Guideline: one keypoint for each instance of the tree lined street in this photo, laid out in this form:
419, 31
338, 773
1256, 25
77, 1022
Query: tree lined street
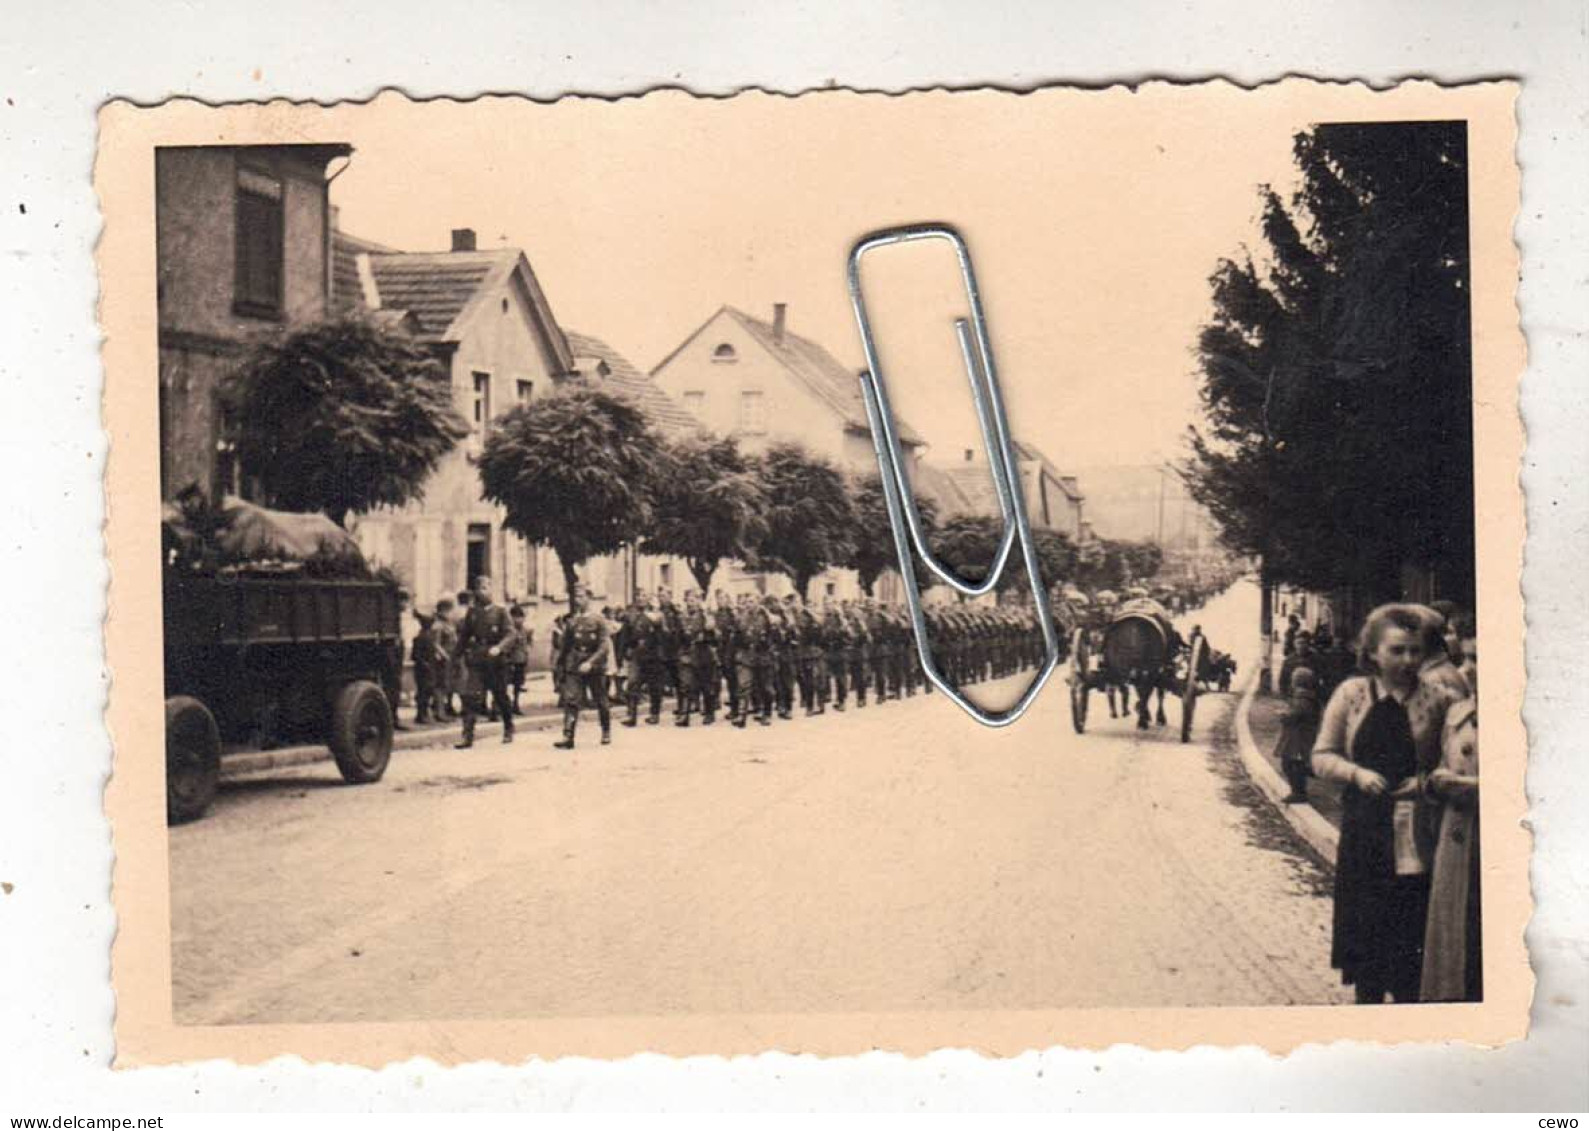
900, 857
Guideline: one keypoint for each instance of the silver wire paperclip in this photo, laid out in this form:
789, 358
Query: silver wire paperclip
900, 497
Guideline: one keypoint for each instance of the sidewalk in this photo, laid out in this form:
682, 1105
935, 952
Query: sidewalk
1257, 725
538, 703
1264, 718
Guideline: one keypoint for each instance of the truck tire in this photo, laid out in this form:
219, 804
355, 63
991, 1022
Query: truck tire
361, 732
193, 759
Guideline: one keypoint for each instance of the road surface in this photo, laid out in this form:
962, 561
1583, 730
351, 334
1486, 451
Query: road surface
897, 858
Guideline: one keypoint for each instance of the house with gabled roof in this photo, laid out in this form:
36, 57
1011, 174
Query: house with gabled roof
759, 381
488, 319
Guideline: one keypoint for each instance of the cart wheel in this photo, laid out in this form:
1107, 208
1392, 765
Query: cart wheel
361, 732
193, 759
1078, 681
1194, 663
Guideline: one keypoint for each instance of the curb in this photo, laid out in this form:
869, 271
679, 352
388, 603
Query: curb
1307, 821
250, 762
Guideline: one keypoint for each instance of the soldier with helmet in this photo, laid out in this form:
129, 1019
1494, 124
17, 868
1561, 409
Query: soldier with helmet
642, 646
484, 638
810, 651
836, 636
672, 643
754, 660
698, 680
583, 662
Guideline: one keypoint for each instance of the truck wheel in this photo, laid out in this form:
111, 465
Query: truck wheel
193, 759
361, 732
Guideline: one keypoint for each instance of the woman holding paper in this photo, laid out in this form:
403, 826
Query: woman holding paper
1380, 737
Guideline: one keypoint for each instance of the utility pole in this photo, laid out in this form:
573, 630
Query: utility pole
1159, 538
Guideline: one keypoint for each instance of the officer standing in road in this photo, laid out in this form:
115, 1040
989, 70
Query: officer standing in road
484, 639
585, 649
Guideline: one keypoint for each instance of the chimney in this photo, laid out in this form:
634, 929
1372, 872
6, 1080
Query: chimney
463, 239
780, 316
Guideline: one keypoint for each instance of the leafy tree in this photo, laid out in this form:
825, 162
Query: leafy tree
341, 417
1057, 557
810, 520
874, 539
967, 544
573, 471
1142, 560
1114, 564
1337, 374
708, 505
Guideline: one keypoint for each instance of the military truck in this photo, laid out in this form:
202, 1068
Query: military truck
275, 631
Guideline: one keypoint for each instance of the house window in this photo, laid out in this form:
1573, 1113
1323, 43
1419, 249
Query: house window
257, 286
482, 404
752, 412
665, 576
526, 390
724, 353
695, 400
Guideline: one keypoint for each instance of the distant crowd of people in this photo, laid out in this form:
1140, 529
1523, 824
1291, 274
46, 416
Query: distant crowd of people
1399, 732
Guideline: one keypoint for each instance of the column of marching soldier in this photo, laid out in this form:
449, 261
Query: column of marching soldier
759, 656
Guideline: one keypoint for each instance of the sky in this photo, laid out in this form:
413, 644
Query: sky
1094, 220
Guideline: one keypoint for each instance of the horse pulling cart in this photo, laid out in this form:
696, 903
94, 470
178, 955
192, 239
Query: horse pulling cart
1139, 649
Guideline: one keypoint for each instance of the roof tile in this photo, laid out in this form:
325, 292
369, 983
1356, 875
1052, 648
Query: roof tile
625, 380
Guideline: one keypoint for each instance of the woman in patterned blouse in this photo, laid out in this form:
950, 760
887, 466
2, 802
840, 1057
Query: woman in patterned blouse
1380, 737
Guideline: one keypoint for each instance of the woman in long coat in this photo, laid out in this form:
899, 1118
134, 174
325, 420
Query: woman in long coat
1453, 963
1380, 737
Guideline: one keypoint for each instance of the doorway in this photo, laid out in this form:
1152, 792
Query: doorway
479, 552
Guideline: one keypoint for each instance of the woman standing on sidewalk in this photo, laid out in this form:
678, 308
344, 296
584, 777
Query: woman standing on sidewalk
1380, 736
1453, 965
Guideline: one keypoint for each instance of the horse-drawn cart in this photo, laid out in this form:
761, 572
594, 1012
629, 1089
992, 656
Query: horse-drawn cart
1140, 649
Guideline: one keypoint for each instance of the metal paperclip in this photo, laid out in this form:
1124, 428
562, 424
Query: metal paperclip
900, 498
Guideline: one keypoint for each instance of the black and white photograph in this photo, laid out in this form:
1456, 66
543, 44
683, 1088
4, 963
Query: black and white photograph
653, 560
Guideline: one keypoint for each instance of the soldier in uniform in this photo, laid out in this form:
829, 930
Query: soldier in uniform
484, 640
899, 643
728, 649
882, 650
672, 644
859, 653
836, 636
782, 668
698, 662
806, 646
754, 658
643, 629
584, 665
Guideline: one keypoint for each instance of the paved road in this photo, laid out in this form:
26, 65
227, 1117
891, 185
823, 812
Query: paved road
897, 858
